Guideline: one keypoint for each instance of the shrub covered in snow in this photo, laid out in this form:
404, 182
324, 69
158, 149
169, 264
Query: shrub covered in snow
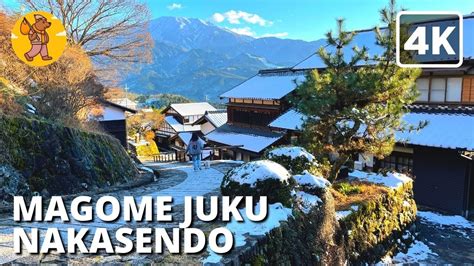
295, 159
311, 183
259, 178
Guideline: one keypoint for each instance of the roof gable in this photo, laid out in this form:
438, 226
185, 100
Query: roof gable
188, 109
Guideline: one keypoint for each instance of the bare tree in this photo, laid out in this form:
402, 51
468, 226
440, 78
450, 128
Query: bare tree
110, 31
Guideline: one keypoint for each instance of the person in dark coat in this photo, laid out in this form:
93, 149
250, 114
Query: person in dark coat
194, 149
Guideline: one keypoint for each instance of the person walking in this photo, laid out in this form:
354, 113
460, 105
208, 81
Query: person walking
194, 149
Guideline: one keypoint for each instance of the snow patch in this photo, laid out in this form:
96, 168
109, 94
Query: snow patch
417, 252
445, 220
293, 152
276, 213
391, 180
307, 201
307, 179
252, 172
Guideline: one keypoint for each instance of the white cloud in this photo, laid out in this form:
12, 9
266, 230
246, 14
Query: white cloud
235, 17
278, 35
174, 6
218, 17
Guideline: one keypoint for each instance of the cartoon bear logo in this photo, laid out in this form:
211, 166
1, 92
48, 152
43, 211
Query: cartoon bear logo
38, 38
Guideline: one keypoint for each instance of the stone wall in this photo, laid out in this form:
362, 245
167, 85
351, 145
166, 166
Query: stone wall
364, 236
56, 160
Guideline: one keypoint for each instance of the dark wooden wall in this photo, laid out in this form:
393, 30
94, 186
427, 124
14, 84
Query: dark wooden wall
440, 179
116, 128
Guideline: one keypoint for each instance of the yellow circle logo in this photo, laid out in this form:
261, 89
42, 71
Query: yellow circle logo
38, 38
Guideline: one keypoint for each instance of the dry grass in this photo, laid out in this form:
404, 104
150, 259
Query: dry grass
368, 191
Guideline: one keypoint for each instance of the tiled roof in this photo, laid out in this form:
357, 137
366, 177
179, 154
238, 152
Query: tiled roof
186, 109
178, 127
249, 139
441, 108
217, 117
266, 86
444, 130
291, 120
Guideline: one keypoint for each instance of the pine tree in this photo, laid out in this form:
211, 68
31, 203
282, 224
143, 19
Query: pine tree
356, 104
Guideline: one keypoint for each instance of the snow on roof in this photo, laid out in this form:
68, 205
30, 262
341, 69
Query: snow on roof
186, 137
125, 102
438, 133
251, 140
186, 109
307, 179
391, 180
250, 173
178, 127
453, 131
217, 118
291, 151
266, 86
368, 39
292, 120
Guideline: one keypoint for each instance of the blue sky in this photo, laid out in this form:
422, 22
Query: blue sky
297, 19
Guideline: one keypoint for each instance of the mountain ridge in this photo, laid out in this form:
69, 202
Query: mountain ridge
200, 60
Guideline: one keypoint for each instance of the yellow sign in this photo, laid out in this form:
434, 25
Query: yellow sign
38, 38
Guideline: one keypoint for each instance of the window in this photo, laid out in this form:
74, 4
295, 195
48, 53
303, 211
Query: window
398, 161
250, 117
423, 86
439, 89
453, 90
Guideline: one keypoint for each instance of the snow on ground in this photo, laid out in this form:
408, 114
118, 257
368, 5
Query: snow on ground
276, 213
307, 201
292, 151
197, 183
307, 179
445, 220
252, 172
391, 180
343, 214
417, 252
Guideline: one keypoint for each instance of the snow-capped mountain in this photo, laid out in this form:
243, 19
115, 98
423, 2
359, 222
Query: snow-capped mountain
196, 58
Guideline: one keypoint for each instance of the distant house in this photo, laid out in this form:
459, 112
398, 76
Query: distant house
180, 118
440, 156
211, 120
125, 102
112, 118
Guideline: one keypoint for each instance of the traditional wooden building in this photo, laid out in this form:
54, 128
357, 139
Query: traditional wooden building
179, 119
212, 120
112, 117
439, 157
251, 106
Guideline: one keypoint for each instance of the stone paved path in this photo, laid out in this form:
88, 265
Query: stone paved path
453, 245
176, 179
